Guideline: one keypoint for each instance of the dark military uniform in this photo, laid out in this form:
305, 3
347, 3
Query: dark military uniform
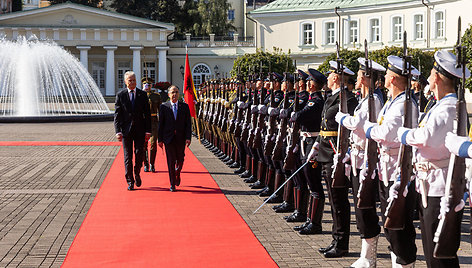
340, 207
154, 103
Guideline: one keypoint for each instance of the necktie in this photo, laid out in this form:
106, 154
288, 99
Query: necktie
132, 98
175, 110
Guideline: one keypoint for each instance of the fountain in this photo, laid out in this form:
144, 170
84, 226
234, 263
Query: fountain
42, 82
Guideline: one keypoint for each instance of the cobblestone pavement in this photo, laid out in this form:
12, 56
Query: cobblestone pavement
46, 191
287, 247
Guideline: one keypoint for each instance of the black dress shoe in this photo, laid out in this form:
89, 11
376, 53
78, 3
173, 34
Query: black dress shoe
146, 169
276, 199
251, 179
239, 171
245, 174
234, 165
311, 229
262, 190
172, 188
130, 186
138, 180
296, 217
323, 250
335, 252
299, 227
285, 207
153, 169
257, 185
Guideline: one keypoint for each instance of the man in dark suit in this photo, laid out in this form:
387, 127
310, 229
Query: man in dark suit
175, 132
132, 125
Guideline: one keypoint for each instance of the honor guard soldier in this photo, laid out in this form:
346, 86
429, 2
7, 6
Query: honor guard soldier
309, 119
324, 150
384, 132
432, 156
154, 103
418, 85
366, 218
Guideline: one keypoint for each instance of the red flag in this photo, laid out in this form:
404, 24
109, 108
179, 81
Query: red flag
189, 89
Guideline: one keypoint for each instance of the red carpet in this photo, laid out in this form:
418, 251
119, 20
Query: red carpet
153, 227
59, 143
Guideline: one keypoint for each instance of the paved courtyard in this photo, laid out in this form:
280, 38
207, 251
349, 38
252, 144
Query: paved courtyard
46, 191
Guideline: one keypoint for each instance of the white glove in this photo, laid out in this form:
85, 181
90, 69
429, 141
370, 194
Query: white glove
313, 152
292, 114
393, 191
445, 207
368, 124
454, 142
240, 104
340, 116
259, 107
269, 111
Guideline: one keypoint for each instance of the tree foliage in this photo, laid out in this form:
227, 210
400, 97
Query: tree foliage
467, 42
92, 3
277, 61
214, 18
138, 8
423, 60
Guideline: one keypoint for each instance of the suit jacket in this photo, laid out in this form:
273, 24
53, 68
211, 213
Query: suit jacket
127, 118
170, 128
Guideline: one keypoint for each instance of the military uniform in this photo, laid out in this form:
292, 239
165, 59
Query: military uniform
390, 119
432, 160
154, 104
340, 207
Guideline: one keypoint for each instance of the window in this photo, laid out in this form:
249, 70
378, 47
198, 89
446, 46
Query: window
330, 33
201, 72
374, 30
231, 14
307, 34
149, 70
397, 28
419, 27
439, 24
353, 32
98, 75
123, 67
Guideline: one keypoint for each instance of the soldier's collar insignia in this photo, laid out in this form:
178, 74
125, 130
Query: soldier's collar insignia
277, 99
290, 101
311, 103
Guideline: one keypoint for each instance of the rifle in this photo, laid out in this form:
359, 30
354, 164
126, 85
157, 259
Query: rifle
367, 191
278, 153
396, 209
239, 116
448, 233
294, 138
254, 113
260, 121
339, 177
247, 119
234, 120
270, 138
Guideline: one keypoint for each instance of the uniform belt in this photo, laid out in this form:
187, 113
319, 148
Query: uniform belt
307, 134
153, 114
425, 166
390, 151
328, 133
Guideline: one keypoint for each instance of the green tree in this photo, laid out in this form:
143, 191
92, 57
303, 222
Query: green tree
187, 18
423, 60
138, 8
92, 3
467, 42
16, 5
165, 10
277, 61
214, 18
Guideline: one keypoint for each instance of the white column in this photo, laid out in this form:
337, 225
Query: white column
84, 55
137, 63
162, 63
110, 71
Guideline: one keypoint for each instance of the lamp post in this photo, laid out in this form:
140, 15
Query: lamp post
216, 71
182, 70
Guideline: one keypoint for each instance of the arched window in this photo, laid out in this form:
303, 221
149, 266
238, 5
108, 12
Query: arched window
201, 73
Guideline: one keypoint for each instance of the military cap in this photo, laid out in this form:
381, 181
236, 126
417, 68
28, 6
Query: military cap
420, 79
445, 63
316, 76
374, 65
303, 76
395, 64
288, 77
147, 80
334, 66
277, 77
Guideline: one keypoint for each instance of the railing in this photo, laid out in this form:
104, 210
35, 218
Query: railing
213, 41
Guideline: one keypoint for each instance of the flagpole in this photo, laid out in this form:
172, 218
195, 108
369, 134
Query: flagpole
195, 118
